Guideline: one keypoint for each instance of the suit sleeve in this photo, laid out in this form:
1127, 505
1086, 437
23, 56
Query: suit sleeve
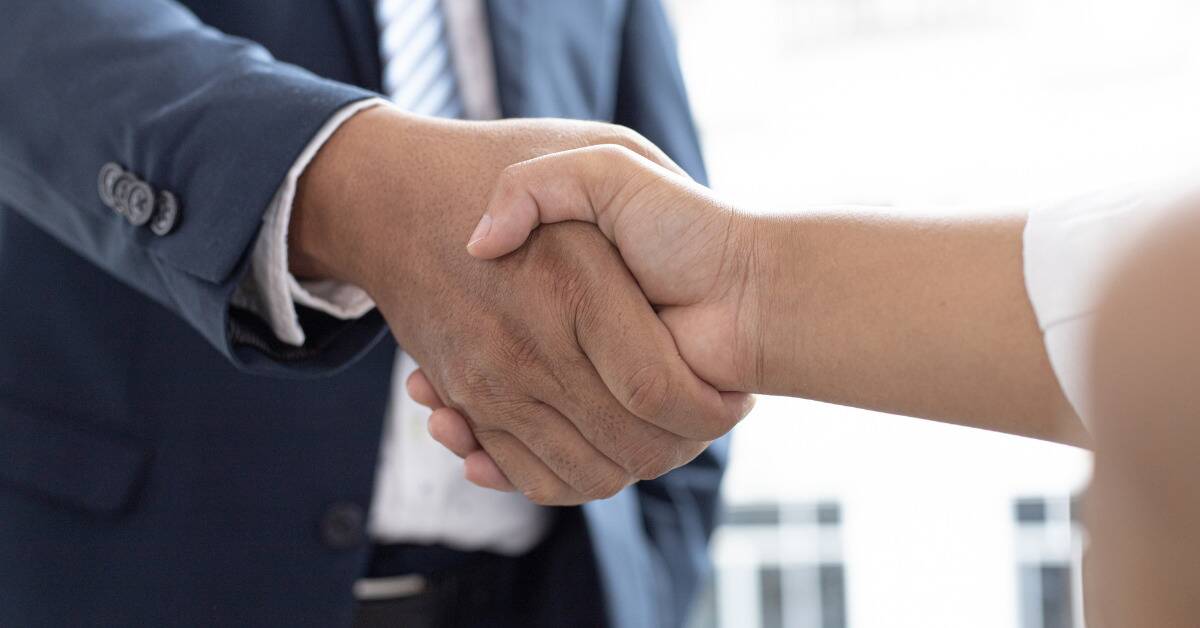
680, 508
212, 119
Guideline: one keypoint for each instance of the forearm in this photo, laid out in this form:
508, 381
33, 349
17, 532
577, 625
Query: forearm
189, 102
922, 316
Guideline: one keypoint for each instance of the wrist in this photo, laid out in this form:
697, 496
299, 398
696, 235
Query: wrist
355, 196
747, 294
317, 235
769, 301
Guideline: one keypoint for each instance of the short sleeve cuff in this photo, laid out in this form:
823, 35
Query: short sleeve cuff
1071, 249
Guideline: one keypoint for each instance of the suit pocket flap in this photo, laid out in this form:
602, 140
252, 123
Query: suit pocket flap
68, 462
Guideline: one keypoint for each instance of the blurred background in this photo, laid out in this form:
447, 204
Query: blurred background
846, 518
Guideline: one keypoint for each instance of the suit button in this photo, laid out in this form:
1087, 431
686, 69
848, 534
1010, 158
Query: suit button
121, 189
343, 526
166, 214
109, 173
139, 205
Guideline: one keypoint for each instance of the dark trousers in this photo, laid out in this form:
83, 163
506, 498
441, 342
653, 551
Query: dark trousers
485, 590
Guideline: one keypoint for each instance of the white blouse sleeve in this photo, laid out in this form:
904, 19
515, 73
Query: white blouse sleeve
1071, 249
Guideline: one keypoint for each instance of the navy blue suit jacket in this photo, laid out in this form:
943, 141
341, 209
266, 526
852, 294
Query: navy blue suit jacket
164, 461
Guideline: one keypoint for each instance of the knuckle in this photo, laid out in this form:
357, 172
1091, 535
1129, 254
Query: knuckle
632, 144
626, 137
647, 458
473, 385
544, 493
620, 154
490, 402
537, 493
521, 349
605, 485
650, 392
653, 468
515, 419
571, 284
656, 462
667, 455
689, 450
514, 357
615, 151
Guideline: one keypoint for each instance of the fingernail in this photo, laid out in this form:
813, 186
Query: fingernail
481, 229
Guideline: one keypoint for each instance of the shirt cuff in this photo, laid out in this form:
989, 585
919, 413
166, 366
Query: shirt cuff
1071, 249
269, 289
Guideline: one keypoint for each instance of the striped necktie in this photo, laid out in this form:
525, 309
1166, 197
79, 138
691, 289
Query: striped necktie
418, 72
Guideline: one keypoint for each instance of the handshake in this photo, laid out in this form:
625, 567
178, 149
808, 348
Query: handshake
570, 360
688, 254
566, 370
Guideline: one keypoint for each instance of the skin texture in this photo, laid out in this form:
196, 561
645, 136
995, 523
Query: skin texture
924, 316
567, 374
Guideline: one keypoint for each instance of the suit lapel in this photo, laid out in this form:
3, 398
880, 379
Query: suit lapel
362, 40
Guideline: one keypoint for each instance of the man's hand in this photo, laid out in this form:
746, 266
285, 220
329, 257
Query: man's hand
689, 253
554, 353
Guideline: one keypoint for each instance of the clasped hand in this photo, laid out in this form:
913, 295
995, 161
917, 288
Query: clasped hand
573, 385
690, 254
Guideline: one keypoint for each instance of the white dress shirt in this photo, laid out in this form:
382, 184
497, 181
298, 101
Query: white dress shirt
420, 493
1072, 249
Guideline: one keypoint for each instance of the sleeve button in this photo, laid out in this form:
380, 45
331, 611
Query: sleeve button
109, 173
166, 214
121, 190
139, 204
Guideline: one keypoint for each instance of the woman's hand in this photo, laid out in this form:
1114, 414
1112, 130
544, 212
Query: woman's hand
691, 254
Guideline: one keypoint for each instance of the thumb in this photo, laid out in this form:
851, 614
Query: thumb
582, 184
